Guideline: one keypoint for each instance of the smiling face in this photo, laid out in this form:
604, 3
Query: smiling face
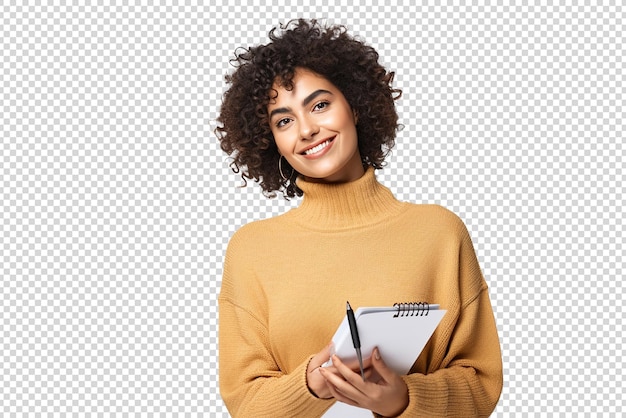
315, 129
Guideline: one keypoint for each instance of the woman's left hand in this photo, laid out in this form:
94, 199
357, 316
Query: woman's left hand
388, 396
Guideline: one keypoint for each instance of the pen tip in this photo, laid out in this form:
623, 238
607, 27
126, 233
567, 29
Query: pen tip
348, 305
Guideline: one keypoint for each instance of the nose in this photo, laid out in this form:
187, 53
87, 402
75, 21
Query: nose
308, 128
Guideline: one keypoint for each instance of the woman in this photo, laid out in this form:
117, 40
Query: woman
312, 113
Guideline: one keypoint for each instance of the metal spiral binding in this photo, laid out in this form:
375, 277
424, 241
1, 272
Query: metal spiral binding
411, 309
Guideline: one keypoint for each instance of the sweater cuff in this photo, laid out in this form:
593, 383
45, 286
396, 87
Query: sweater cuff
412, 405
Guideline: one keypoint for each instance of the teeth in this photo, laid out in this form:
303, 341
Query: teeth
317, 148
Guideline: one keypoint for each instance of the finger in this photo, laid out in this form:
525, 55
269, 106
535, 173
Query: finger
372, 375
343, 386
350, 375
381, 367
368, 372
320, 358
339, 395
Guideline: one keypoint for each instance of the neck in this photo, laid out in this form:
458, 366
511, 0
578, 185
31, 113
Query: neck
345, 205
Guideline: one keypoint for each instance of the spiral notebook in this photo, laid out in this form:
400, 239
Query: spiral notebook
400, 332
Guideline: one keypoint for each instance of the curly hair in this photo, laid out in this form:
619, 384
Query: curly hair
348, 63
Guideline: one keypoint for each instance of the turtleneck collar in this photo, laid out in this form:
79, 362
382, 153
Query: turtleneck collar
345, 205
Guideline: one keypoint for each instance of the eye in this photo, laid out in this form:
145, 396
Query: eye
321, 105
282, 122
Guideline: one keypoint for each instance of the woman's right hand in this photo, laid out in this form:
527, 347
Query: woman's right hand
317, 383
314, 379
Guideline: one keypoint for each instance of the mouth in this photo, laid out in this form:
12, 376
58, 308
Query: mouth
318, 148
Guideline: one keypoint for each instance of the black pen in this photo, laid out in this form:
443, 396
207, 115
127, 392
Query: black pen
355, 336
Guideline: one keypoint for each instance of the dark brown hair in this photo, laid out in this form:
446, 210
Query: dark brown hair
348, 63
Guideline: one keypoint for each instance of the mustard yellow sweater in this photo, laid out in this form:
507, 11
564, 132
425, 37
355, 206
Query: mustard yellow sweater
286, 281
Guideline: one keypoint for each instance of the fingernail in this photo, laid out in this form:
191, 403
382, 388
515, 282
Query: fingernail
377, 354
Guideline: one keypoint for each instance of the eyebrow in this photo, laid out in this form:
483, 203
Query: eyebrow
308, 99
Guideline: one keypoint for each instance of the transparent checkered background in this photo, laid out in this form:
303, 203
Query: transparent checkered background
117, 204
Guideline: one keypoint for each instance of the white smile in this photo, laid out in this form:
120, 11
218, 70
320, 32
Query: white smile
318, 147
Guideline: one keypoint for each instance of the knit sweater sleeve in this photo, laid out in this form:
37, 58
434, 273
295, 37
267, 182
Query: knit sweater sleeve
251, 382
468, 381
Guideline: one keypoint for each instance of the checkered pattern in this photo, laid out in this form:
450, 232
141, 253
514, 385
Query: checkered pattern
116, 203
